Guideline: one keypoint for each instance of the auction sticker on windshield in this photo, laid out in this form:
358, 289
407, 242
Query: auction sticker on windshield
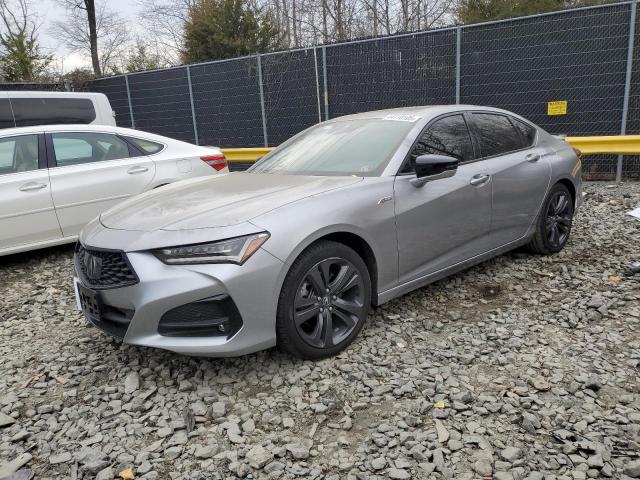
402, 118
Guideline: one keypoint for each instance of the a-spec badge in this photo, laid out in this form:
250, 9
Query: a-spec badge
384, 200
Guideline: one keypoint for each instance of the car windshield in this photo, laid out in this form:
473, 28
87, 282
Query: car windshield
359, 147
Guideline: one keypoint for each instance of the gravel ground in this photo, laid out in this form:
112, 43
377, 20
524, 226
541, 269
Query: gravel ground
523, 367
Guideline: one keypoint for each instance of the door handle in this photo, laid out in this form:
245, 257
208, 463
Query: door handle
28, 187
532, 157
137, 169
479, 179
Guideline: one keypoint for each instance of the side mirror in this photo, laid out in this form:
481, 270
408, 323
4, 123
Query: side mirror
434, 167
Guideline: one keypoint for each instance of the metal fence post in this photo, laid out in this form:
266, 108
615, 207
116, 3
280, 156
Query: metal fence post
627, 84
264, 116
193, 110
324, 75
126, 82
315, 62
458, 44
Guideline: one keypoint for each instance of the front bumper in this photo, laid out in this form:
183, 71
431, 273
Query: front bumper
252, 287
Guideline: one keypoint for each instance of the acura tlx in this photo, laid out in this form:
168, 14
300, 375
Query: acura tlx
346, 215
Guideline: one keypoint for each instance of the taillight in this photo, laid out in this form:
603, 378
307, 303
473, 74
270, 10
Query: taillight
577, 152
217, 162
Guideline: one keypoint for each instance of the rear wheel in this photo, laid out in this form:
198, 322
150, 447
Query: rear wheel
324, 301
554, 223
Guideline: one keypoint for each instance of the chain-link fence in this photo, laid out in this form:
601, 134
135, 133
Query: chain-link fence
587, 57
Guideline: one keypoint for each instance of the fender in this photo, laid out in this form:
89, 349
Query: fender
322, 233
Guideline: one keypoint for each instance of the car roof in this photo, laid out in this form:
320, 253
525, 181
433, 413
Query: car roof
71, 127
425, 111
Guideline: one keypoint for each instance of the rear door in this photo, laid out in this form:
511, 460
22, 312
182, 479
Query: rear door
27, 214
445, 221
92, 172
520, 171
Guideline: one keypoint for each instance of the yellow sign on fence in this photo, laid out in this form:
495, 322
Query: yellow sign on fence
557, 108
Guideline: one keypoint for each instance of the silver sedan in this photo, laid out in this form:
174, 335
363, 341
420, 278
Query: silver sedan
346, 215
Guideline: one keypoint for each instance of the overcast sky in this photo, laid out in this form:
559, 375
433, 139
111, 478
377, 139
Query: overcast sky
49, 11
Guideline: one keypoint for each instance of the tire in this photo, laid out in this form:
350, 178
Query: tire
305, 313
554, 222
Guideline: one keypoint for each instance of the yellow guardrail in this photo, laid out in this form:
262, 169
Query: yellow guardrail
244, 155
614, 144
620, 144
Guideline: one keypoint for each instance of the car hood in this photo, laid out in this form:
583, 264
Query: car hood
216, 201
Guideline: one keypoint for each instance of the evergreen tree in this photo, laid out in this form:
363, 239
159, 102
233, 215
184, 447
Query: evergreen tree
21, 58
217, 29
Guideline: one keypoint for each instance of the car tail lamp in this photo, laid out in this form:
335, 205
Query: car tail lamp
577, 152
217, 162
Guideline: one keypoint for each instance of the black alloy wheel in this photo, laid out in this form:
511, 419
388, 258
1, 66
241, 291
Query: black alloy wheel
554, 222
558, 221
329, 302
324, 301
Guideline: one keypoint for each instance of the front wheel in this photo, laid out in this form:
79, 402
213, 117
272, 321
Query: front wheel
553, 226
324, 301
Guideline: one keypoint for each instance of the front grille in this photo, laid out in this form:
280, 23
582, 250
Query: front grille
102, 269
212, 317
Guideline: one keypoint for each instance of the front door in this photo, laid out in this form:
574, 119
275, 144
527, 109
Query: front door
445, 221
92, 172
27, 215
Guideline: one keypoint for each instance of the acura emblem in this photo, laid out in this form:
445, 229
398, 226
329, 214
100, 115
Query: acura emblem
93, 266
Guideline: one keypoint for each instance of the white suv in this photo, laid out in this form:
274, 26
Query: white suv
25, 109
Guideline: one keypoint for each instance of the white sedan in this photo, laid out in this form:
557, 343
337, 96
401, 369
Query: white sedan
55, 179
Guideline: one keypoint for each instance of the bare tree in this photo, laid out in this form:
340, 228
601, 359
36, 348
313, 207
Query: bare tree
142, 54
308, 22
93, 29
166, 18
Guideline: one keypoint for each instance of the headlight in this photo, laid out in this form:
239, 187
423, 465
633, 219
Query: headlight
233, 250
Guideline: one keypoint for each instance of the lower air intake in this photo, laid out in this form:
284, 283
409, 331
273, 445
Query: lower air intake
212, 317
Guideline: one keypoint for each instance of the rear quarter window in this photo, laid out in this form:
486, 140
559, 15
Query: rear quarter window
527, 132
52, 111
146, 146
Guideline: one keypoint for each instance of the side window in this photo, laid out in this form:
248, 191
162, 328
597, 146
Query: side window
85, 147
496, 134
18, 154
147, 146
447, 136
6, 116
52, 111
527, 132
